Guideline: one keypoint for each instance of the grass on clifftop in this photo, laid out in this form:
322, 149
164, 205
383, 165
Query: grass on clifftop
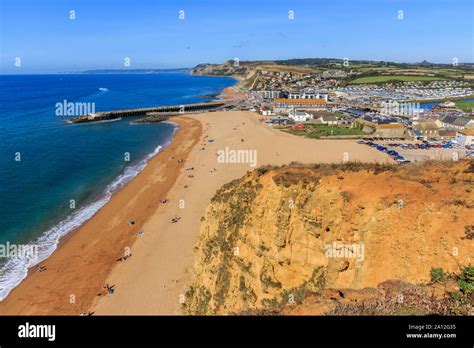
465, 106
316, 131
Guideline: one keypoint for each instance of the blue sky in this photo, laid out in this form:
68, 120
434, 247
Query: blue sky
150, 33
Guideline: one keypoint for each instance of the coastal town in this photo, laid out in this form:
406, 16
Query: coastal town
411, 118
417, 117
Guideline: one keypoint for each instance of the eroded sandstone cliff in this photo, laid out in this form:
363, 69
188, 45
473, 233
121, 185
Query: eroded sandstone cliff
282, 239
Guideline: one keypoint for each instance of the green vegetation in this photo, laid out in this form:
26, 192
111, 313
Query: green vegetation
437, 275
201, 298
316, 131
465, 106
442, 99
388, 78
463, 297
466, 281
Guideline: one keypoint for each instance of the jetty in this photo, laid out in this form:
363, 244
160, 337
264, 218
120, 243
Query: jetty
156, 114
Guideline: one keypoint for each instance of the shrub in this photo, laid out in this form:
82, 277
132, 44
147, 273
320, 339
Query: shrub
437, 275
466, 281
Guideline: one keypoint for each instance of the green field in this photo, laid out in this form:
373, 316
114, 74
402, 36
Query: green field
380, 79
316, 131
465, 106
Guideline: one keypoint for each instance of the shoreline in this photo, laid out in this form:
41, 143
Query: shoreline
80, 216
161, 267
75, 220
72, 250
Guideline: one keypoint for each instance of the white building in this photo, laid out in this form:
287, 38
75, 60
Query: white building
299, 116
465, 137
268, 113
271, 94
307, 94
328, 119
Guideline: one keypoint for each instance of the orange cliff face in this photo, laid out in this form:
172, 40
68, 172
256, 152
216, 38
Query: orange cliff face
278, 234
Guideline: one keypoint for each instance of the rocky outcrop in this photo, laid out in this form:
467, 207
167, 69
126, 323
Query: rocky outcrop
229, 68
279, 237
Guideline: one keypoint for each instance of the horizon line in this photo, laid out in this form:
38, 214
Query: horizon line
83, 71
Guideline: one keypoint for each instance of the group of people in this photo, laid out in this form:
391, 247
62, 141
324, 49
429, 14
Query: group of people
125, 257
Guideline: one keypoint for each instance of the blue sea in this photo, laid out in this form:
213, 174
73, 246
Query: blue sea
55, 175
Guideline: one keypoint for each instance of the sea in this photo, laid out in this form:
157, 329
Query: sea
55, 175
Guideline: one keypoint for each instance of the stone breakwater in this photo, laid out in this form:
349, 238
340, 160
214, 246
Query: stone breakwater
152, 114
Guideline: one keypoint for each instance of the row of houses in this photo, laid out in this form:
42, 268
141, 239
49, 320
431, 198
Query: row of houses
285, 105
463, 137
308, 95
449, 128
445, 127
305, 93
455, 122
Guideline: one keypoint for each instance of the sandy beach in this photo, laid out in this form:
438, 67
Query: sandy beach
77, 270
154, 279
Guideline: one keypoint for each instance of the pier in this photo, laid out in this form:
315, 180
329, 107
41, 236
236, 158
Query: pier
155, 114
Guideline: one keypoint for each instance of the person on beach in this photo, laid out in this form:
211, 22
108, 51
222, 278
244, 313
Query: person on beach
109, 288
40, 268
164, 200
125, 257
175, 219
